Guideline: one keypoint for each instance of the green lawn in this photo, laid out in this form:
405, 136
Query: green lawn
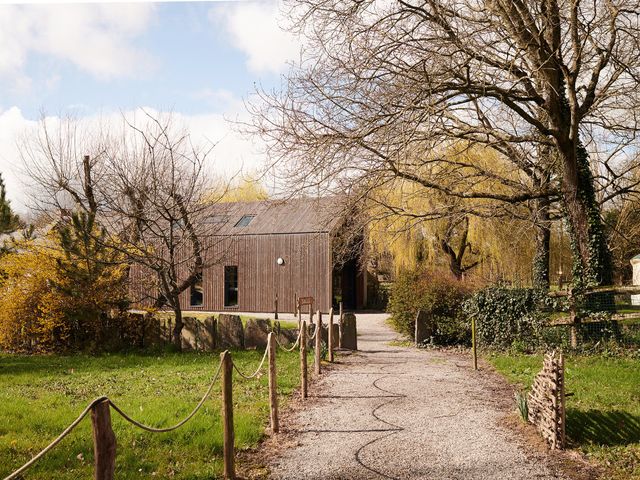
41, 395
603, 414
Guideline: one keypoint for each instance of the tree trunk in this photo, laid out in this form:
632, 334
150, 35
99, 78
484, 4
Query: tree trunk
543, 242
177, 326
592, 258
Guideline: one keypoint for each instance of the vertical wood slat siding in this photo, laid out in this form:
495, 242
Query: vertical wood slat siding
306, 272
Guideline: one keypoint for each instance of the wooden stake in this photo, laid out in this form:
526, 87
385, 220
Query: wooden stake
227, 416
318, 342
273, 384
276, 308
104, 442
340, 315
473, 343
330, 338
303, 359
563, 413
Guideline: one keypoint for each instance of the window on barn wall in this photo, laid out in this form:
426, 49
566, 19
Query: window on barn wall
230, 286
197, 292
244, 221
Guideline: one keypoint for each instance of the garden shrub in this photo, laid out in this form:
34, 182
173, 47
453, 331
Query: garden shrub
509, 317
438, 294
48, 302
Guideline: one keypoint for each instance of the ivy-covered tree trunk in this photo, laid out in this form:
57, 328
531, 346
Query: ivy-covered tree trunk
592, 264
591, 256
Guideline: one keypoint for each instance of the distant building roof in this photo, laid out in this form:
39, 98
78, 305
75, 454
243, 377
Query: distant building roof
299, 215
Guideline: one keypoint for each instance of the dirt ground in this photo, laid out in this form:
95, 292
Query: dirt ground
396, 412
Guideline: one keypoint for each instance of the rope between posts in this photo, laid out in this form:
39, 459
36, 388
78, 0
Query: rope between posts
177, 425
294, 345
315, 331
98, 400
66, 432
253, 375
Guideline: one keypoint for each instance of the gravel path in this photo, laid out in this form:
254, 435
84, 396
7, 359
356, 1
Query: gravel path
401, 413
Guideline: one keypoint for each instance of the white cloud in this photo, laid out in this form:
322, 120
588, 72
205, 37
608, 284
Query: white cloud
232, 153
12, 126
97, 38
255, 29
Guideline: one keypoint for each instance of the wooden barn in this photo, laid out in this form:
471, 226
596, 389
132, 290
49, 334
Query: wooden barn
268, 249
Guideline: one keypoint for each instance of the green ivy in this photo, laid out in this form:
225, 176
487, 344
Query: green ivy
508, 316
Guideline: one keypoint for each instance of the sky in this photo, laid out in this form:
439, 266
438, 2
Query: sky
200, 60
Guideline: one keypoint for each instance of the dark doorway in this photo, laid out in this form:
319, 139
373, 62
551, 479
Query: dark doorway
345, 285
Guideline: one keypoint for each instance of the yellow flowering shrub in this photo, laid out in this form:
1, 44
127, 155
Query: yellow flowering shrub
31, 314
52, 301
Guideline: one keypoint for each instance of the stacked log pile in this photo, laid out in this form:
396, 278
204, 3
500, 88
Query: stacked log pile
546, 401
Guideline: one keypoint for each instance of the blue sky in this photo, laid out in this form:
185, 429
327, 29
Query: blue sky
198, 59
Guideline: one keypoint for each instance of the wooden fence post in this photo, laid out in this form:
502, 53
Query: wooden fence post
276, 308
227, 415
299, 315
474, 343
318, 342
273, 384
340, 314
303, 359
104, 442
575, 319
330, 338
563, 413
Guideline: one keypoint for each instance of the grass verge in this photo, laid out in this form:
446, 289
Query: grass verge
603, 414
41, 395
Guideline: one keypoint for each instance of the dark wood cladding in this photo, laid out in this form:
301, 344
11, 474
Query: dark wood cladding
306, 272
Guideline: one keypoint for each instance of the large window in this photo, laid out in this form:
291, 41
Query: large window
197, 295
230, 286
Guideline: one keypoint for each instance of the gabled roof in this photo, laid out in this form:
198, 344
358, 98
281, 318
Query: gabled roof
299, 215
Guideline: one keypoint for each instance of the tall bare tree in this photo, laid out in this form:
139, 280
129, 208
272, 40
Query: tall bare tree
542, 82
146, 185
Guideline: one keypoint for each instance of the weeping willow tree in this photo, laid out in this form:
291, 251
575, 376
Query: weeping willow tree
487, 250
483, 239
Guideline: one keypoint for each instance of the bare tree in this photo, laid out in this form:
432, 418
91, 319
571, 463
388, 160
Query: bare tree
543, 83
146, 185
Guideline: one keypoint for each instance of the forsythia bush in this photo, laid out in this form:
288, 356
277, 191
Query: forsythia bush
30, 312
52, 299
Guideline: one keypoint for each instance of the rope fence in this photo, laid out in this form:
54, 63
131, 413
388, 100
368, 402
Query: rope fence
104, 439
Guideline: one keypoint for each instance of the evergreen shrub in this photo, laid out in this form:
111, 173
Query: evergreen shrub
438, 294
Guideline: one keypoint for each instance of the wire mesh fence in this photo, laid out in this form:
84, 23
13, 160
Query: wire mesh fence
594, 335
604, 319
